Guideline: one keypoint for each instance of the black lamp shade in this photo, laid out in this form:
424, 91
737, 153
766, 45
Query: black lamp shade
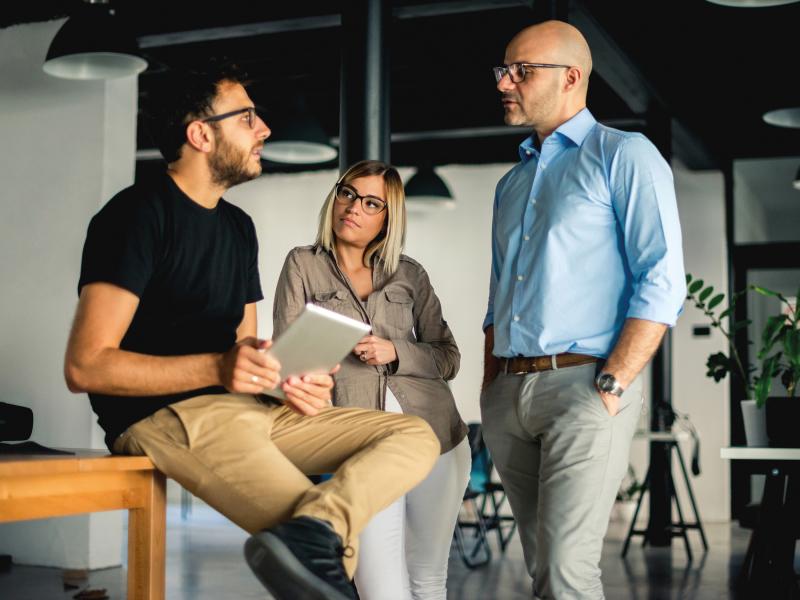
297, 137
425, 189
93, 44
298, 142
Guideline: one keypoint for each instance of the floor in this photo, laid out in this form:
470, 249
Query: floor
204, 561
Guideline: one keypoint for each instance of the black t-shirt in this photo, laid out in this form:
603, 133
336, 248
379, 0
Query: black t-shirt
193, 269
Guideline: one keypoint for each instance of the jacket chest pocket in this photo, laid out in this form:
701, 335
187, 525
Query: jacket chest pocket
338, 301
399, 310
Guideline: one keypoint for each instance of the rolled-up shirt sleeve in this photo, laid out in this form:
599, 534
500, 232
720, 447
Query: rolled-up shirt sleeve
643, 196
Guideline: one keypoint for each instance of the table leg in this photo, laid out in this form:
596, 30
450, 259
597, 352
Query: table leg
147, 528
771, 567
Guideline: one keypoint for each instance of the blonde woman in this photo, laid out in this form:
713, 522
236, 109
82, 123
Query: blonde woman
356, 268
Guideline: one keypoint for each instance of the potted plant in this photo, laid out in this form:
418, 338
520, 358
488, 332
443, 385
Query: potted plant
780, 331
780, 356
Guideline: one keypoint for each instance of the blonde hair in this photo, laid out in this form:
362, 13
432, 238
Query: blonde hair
388, 244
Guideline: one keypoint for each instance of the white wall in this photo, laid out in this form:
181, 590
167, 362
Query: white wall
702, 212
750, 215
67, 146
767, 205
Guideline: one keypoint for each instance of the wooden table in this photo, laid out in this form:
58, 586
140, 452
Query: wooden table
768, 569
41, 486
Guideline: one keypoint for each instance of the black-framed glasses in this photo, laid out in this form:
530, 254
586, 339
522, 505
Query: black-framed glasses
517, 71
372, 205
250, 111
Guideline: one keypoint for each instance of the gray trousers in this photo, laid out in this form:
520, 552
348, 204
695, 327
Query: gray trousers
561, 458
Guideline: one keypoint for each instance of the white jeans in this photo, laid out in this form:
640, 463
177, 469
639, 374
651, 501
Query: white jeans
405, 548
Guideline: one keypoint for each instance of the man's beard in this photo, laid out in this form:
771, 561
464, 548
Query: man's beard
229, 165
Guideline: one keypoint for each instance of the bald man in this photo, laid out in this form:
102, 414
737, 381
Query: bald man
587, 274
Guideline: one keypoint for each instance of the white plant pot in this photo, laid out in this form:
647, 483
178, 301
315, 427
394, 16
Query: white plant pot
755, 424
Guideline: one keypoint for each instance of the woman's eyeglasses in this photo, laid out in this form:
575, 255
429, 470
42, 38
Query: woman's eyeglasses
371, 205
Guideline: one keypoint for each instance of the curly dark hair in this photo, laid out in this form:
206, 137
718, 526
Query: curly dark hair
184, 96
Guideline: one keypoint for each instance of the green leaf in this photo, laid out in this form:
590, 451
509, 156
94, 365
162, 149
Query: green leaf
706, 293
716, 300
761, 391
741, 324
791, 346
771, 333
763, 382
725, 313
764, 291
688, 278
696, 286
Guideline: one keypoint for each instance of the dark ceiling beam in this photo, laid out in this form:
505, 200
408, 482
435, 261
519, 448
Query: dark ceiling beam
691, 150
492, 131
622, 75
414, 11
243, 30
439, 9
449, 134
612, 64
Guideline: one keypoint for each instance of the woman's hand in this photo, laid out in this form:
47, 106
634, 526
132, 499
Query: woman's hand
309, 394
373, 350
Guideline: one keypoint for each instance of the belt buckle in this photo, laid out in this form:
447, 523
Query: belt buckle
533, 369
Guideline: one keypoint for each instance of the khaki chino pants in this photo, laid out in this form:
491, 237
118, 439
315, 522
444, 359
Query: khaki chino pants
561, 458
250, 460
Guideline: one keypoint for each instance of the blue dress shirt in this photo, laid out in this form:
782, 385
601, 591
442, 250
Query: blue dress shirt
585, 234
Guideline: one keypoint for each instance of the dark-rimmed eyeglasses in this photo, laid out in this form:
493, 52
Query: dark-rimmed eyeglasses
517, 71
250, 111
371, 205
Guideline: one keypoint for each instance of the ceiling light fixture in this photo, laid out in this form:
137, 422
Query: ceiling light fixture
92, 44
426, 190
298, 138
783, 117
752, 3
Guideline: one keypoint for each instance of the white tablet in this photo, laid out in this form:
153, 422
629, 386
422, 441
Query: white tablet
315, 343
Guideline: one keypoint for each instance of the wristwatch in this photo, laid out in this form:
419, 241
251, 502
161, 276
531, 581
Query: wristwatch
608, 384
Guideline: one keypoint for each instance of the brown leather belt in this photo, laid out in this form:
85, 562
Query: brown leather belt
533, 364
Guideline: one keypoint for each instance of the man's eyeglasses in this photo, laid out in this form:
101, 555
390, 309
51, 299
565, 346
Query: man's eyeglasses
371, 205
517, 71
249, 111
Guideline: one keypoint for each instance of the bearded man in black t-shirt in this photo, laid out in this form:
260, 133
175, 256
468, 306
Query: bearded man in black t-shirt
165, 343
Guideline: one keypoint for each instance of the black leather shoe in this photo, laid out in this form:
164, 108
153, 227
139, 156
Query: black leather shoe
300, 559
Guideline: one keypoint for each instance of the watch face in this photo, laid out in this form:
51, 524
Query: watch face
606, 382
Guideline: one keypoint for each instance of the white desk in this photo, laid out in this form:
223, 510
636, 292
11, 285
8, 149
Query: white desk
753, 453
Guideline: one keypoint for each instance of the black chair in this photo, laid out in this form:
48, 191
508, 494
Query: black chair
483, 500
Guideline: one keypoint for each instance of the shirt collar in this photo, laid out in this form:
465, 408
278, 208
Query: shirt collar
578, 127
575, 130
